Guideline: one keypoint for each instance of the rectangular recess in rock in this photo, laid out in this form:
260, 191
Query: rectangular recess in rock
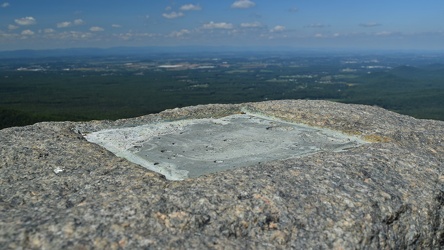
193, 147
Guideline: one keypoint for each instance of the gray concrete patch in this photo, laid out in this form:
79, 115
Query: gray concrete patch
190, 148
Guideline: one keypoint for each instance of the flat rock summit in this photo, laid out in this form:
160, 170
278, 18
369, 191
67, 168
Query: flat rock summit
60, 191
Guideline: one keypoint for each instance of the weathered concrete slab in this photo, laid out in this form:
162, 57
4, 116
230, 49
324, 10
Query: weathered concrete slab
193, 147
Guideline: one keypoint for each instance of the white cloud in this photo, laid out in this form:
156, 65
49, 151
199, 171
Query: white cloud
78, 22
5, 5
12, 27
294, 9
180, 33
251, 25
27, 32
29, 20
69, 24
243, 4
213, 25
133, 36
369, 25
278, 28
172, 15
48, 30
63, 24
8, 35
318, 35
116, 26
74, 35
188, 7
96, 29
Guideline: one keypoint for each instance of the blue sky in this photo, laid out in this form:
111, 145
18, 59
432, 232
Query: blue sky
357, 24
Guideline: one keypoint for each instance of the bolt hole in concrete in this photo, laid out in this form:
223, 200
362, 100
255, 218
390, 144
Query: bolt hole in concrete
190, 148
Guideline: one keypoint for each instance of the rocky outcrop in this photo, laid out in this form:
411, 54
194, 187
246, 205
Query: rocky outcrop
58, 191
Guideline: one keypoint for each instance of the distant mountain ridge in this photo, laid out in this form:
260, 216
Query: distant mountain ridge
129, 51
126, 51
27, 53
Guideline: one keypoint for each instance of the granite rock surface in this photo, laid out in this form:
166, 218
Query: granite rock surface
59, 191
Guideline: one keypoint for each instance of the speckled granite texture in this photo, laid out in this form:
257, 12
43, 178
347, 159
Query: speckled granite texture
58, 191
